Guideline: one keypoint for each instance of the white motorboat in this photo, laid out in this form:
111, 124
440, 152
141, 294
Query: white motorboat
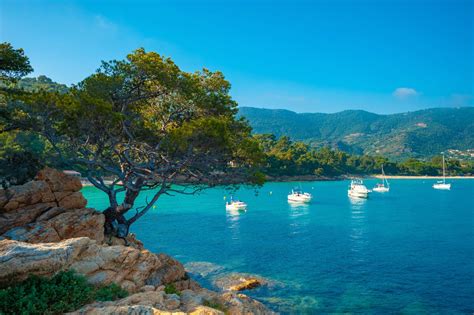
358, 189
299, 196
384, 186
236, 205
442, 185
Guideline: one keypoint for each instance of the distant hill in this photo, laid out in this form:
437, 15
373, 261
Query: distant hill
418, 134
42, 82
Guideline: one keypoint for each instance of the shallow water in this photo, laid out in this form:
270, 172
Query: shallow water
407, 251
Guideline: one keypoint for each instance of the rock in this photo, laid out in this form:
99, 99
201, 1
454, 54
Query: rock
23, 216
126, 266
239, 282
188, 284
203, 268
27, 194
73, 201
191, 299
203, 310
147, 288
55, 225
245, 285
171, 302
171, 271
58, 181
160, 288
131, 241
242, 304
48, 209
118, 310
144, 302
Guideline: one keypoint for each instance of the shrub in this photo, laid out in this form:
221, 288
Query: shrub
171, 289
109, 293
215, 305
65, 292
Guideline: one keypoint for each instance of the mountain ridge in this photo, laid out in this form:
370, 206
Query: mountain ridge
421, 134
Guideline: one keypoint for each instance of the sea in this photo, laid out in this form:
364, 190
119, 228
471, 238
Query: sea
407, 251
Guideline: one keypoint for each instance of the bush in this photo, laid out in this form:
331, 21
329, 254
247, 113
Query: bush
215, 305
65, 292
171, 289
110, 293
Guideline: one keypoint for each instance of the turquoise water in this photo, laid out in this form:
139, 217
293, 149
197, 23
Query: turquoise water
407, 251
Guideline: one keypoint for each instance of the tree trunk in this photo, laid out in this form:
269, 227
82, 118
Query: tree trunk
115, 222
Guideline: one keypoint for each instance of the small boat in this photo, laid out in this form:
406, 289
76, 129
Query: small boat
236, 205
357, 189
384, 186
299, 196
442, 183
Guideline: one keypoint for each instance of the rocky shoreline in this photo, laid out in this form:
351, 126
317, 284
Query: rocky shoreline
46, 228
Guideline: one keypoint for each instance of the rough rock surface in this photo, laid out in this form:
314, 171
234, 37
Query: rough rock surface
126, 266
240, 282
48, 209
189, 302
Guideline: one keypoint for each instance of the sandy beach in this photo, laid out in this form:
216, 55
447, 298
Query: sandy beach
421, 177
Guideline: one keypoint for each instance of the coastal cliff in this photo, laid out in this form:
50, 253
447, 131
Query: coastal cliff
45, 228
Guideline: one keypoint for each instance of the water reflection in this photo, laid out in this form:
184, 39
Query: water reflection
358, 227
299, 217
232, 218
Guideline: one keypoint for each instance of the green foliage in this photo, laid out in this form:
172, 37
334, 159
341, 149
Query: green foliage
215, 305
21, 157
420, 134
171, 289
65, 292
41, 83
13, 63
145, 122
284, 157
109, 293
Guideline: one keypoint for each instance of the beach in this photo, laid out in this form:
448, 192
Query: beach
421, 177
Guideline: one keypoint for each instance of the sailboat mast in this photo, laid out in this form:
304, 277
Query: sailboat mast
384, 178
444, 174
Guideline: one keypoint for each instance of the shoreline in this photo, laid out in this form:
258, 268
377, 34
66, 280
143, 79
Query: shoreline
314, 178
421, 177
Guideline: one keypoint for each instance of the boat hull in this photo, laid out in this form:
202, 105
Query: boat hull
381, 189
236, 206
358, 194
299, 199
442, 186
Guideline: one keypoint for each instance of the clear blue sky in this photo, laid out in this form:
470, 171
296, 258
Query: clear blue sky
314, 56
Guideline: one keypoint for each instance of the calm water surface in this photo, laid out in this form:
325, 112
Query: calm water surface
407, 251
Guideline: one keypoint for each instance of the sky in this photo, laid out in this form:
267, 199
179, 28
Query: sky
382, 56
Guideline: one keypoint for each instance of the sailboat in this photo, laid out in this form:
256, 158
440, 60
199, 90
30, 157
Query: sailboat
383, 186
442, 183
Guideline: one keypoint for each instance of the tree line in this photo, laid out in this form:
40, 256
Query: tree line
284, 157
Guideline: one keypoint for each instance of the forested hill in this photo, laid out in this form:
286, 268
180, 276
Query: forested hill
42, 82
423, 133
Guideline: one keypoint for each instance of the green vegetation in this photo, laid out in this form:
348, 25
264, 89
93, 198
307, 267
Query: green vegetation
284, 157
421, 134
41, 83
215, 305
13, 63
171, 289
141, 121
65, 292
